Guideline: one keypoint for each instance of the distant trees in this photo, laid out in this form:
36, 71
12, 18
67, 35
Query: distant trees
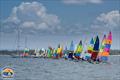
115, 52
14, 52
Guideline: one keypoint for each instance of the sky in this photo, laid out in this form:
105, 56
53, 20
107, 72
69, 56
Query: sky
50, 22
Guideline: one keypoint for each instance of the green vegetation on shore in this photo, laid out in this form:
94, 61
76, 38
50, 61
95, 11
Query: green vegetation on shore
31, 52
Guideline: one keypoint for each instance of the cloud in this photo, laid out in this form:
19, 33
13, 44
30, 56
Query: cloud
110, 20
28, 24
32, 17
82, 1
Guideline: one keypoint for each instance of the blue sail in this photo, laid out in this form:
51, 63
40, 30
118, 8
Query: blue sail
72, 46
92, 41
96, 45
66, 48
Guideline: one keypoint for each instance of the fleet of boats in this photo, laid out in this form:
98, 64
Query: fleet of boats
93, 53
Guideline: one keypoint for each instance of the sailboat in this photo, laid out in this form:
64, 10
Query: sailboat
49, 52
106, 50
90, 47
95, 49
89, 50
43, 53
37, 53
78, 51
65, 53
59, 51
55, 54
71, 50
25, 53
18, 44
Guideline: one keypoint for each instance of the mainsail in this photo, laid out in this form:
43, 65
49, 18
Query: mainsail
59, 50
90, 47
79, 47
102, 46
49, 51
72, 46
95, 49
106, 51
78, 50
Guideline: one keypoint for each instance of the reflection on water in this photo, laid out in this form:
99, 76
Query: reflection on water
49, 69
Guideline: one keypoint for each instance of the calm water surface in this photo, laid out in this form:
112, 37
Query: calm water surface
50, 69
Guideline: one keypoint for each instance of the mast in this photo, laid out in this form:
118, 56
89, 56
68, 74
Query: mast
25, 41
0, 35
18, 40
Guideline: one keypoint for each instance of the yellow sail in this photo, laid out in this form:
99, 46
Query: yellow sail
79, 49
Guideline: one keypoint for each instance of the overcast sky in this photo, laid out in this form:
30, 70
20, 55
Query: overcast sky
50, 22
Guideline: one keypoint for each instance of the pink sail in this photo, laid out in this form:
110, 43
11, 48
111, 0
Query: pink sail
110, 36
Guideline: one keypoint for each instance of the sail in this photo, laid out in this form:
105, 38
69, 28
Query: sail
96, 45
58, 45
65, 50
26, 52
72, 46
102, 45
95, 49
107, 45
79, 48
108, 42
37, 52
59, 49
90, 47
55, 54
49, 51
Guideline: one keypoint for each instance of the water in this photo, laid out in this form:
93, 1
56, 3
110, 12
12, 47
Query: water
52, 69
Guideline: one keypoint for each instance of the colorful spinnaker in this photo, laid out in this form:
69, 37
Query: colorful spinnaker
106, 51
